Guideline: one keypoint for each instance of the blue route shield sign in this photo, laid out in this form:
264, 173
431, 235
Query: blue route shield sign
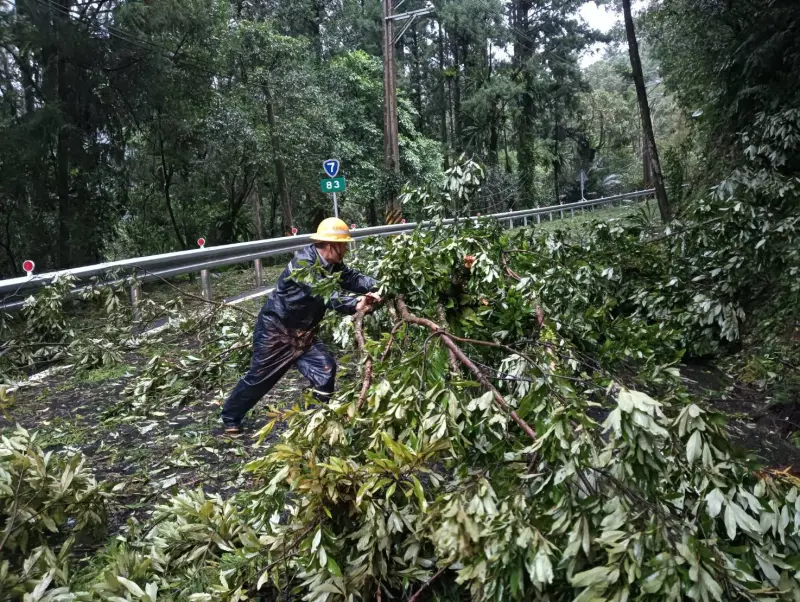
331, 167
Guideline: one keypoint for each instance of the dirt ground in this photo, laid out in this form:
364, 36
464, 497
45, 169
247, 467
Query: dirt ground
758, 427
149, 458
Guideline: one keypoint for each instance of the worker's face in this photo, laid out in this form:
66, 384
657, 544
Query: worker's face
336, 252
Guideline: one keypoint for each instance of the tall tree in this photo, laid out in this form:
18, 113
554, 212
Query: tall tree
647, 122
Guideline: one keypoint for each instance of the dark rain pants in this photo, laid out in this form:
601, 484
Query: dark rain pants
275, 350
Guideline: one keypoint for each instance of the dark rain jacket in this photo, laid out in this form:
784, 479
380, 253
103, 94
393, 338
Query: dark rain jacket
293, 304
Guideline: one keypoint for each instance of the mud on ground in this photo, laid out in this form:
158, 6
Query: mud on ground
146, 458
757, 426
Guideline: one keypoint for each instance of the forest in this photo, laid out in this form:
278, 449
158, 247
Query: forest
132, 128
607, 410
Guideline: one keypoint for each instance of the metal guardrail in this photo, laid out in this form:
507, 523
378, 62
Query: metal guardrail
156, 267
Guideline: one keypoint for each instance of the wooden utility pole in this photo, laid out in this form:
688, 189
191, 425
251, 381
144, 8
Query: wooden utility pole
647, 122
391, 144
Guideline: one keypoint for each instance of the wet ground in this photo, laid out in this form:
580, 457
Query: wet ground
145, 458
762, 428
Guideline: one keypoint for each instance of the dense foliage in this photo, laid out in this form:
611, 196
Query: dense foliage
532, 437
130, 128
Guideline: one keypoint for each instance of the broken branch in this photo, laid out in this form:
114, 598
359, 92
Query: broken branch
447, 339
359, 328
426, 585
454, 368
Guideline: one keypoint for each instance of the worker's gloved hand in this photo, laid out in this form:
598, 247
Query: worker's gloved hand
376, 298
367, 303
469, 261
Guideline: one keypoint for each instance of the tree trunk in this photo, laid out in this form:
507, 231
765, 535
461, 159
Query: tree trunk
166, 185
417, 78
62, 147
457, 141
443, 99
256, 194
273, 214
280, 171
556, 158
372, 212
505, 141
647, 122
316, 27
494, 136
523, 51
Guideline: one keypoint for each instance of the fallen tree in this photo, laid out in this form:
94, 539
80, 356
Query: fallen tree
530, 439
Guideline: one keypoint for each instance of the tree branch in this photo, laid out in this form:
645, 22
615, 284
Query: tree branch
359, 328
447, 339
442, 317
426, 585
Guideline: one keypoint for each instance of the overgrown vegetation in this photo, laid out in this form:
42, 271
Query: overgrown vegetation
532, 437
542, 436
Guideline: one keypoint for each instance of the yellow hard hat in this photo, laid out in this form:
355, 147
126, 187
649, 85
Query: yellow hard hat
332, 229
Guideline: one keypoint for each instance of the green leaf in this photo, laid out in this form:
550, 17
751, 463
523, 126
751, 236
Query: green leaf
543, 568
131, 587
714, 499
694, 448
744, 520
333, 567
598, 574
152, 591
423, 504
730, 522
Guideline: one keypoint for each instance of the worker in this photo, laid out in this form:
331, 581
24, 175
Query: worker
286, 328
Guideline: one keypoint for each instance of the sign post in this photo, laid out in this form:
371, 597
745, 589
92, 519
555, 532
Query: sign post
333, 184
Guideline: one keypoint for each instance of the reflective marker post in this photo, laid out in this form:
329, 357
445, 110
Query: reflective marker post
136, 297
205, 276
259, 272
28, 266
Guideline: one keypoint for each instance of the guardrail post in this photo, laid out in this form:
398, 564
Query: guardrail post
562, 214
205, 284
538, 218
572, 212
136, 298
525, 221
550, 213
259, 272
511, 223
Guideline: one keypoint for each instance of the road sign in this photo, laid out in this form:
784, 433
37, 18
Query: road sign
28, 266
331, 167
333, 185
201, 242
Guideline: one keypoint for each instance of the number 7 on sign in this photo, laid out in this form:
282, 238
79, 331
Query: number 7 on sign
331, 167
